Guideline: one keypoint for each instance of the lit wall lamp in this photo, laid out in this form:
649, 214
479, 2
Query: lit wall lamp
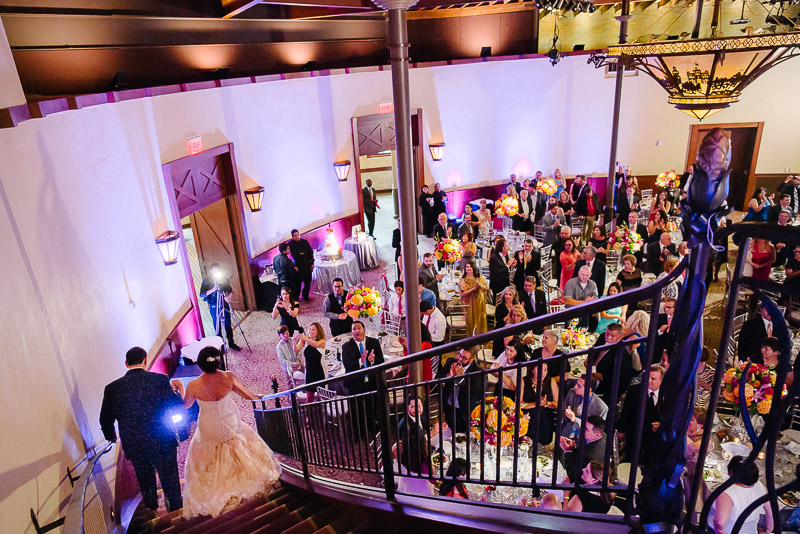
342, 169
168, 246
255, 196
437, 151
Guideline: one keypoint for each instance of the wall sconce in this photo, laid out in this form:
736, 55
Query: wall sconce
437, 151
255, 196
342, 169
168, 246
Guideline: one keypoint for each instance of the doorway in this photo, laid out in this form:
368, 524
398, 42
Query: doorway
375, 159
206, 204
745, 143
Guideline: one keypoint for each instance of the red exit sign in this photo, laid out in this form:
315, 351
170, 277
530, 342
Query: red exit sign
385, 107
195, 144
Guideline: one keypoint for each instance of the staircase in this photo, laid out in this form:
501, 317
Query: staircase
288, 510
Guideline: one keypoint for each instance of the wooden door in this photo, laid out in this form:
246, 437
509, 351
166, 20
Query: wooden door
745, 141
213, 237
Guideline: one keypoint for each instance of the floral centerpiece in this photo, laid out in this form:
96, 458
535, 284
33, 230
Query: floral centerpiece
507, 206
363, 301
547, 186
664, 178
499, 412
758, 390
448, 250
574, 338
672, 226
626, 240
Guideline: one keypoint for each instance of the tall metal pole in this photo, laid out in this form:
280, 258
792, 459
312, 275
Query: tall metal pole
612, 160
398, 52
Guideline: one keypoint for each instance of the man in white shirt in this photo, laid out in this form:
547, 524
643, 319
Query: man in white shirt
291, 361
434, 319
396, 304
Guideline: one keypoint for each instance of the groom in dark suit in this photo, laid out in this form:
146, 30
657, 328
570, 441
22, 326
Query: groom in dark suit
358, 353
142, 403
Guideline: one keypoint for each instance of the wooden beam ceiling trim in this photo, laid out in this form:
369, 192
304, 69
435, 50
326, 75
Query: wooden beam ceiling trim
468, 11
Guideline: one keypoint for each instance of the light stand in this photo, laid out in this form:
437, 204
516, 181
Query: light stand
221, 301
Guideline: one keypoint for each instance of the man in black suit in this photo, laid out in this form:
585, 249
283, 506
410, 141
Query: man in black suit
359, 353
284, 267
513, 181
370, 200
753, 332
464, 392
593, 450
534, 301
539, 202
529, 261
598, 268
627, 203
784, 204
626, 424
143, 403
658, 252
303, 258
576, 189
791, 186
444, 229
641, 229
429, 275
665, 337
605, 365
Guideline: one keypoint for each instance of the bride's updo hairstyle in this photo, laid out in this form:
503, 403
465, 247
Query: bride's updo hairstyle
209, 359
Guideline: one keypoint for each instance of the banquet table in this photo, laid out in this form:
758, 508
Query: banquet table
365, 250
345, 268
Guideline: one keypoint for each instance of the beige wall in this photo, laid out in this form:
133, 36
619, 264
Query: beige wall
10, 88
82, 197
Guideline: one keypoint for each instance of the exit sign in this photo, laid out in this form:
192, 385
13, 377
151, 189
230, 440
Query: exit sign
385, 107
195, 144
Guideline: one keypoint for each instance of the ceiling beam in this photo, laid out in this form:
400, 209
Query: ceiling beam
469, 11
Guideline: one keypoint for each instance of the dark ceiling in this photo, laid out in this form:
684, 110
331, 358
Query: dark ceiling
66, 47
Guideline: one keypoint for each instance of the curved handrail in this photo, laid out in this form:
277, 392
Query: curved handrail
73, 521
587, 308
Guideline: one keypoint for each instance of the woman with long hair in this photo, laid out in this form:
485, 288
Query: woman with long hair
507, 380
611, 315
470, 249
288, 309
599, 241
656, 226
227, 462
565, 203
453, 485
561, 182
484, 218
311, 345
758, 206
473, 293
637, 325
661, 202
568, 258
505, 301
583, 500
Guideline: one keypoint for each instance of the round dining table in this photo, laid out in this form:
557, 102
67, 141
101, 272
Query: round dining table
365, 250
345, 268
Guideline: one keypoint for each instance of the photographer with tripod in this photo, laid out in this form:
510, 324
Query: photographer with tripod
216, 290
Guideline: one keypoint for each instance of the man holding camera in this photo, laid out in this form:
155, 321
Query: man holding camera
216, 289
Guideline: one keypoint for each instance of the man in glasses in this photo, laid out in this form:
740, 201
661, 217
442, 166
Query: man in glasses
333, 309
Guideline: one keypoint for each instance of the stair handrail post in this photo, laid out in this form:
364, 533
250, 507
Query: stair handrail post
382, 399
298, 430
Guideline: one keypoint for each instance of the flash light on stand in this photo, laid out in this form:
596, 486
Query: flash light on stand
177, 418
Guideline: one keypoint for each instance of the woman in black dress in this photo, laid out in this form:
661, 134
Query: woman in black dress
630, 276
288, 309
426, 206
505, 301
533, 402
314, 341
439, 200
565, 203
583, 500
599, 240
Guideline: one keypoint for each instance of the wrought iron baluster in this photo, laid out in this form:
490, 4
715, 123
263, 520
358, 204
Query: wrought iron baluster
300, 441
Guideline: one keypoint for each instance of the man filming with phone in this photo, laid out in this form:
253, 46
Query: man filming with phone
216, 290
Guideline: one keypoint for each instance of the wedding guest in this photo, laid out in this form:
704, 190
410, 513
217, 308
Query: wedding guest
333, 309
593, 450
460, 395
484, 217
599, 241
606, 365
573, 407
370, 201
674, 288
516, 316
137, 402
444, 229
435, 321
469, 223
303, 257
311, 345
761, 258
579, 290
658, 252
522, 220
584, 500
515, 184
588, 207
512, 191
289, 357
783, 205
284, 267
734, 500
453, 485
641, 230
534, 302
705, 378
782, 248
565, 233
537, 400
529, 261
551, 222
426, 206
791, 186
656, 226
597, 267
473, 293
626, 204
566, 205
561, 182
288, 309
426, 343
429, 275
577, 188
361, 351
412, 455
793, 269
612, 315
568, 258
507, 379
396, 303
753, 332
630, 276
758, 207
637, 325
547, 352
499, 265
439, 200
665, 337
661, 202
626, 424
506, 300
470, 250
425, 294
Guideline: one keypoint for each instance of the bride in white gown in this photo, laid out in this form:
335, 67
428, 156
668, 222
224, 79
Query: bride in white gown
227, 461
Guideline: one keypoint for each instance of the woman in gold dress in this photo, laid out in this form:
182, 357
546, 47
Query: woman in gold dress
473, 294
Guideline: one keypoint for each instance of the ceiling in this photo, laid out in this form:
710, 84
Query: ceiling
68, 47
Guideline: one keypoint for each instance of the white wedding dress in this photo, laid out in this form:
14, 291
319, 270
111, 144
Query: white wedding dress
227, 461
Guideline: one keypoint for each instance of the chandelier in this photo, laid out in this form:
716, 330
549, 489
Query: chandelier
704, 76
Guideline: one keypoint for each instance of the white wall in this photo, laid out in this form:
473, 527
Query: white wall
10, 87
82, 197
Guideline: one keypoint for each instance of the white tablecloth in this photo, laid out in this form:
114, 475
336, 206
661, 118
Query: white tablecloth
345, 268
365, 250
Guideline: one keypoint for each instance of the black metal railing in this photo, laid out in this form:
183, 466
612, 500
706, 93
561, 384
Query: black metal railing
358, 432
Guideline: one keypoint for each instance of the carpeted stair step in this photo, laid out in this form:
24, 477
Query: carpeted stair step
260, 521
343, 524
285, 504
367, 527
203, 524
280, 525
316, 521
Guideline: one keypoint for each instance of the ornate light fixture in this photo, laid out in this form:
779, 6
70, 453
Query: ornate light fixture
168, 246
704, 76
342, 169
255, 197
437, 151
